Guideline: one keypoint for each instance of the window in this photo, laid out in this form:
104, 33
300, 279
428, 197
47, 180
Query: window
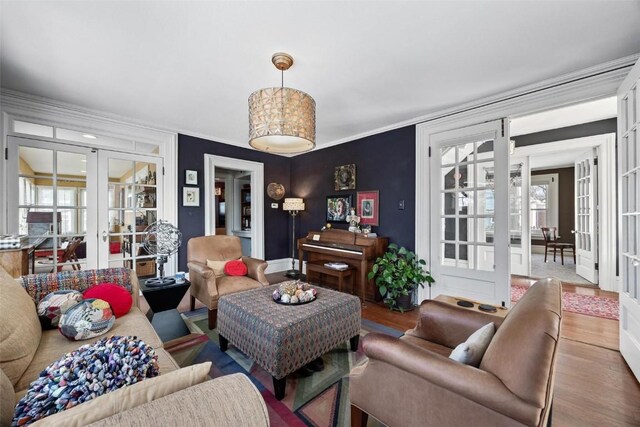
543, 203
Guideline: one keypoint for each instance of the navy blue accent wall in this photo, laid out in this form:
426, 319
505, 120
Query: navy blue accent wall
384, 162
191, 151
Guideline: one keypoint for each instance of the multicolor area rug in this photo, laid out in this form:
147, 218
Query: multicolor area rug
589, 305
321, 399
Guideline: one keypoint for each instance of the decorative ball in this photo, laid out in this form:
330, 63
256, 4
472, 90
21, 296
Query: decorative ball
288, 288
285, 298
304, 297
313, 291
54, 305
299, 292
294, 300
276, 295
87, 319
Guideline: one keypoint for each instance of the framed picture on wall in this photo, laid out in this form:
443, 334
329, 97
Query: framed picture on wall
344, 177
191, 177
338, 207
367, 207
190, 196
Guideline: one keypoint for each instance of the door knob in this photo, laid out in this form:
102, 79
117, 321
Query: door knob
104, 236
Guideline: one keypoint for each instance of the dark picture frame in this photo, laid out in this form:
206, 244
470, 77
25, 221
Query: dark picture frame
344, 177
341, 202
368, 207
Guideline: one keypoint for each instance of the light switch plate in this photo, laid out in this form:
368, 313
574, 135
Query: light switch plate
401, 205
274, 206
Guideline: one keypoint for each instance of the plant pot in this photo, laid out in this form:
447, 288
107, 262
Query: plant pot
405, 302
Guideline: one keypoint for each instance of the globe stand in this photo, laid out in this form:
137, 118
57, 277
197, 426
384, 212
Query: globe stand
157, 282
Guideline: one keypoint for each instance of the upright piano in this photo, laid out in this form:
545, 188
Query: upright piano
354, 249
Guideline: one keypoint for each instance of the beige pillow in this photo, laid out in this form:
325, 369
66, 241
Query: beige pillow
471, 351
7, 400
218, 266
21, 330
129, 397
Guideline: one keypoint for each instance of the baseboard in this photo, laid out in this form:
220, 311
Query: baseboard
537, 249
283, 264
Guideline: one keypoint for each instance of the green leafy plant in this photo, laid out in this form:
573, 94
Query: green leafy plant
398, 273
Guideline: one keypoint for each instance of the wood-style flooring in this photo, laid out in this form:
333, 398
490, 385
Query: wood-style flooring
593, 387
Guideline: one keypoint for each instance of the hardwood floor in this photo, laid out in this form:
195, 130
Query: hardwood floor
593, 387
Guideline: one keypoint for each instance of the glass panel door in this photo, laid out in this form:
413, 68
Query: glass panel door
131, 189
469, 188
50, 203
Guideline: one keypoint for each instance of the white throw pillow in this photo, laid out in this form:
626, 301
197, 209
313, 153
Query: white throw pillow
471, 351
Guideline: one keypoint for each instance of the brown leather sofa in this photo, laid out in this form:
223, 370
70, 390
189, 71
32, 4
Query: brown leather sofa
205, 286
410, 381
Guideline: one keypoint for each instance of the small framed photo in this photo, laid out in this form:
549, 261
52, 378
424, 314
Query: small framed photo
338, 207
190, 196
368, 202
190, 177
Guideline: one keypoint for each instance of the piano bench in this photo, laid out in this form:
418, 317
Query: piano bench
319, 267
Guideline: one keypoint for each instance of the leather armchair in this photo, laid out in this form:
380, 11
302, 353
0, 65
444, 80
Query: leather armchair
205, 286
410, 381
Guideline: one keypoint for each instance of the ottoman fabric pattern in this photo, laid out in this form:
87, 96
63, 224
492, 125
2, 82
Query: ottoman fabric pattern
283, 338
40, 285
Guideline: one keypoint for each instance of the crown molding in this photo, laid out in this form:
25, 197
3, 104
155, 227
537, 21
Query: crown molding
616, 67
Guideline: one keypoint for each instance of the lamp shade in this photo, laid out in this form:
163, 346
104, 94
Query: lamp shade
282, 120
293, 204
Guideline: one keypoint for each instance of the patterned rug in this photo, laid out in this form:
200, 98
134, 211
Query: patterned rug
588, 305
321, 399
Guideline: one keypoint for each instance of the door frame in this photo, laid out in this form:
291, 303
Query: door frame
605, 144
211, 162
561, 94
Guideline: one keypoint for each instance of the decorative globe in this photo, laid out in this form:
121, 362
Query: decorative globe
162, 238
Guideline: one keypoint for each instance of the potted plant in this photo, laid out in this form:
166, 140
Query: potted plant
398, 273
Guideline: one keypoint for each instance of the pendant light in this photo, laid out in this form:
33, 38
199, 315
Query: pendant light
282, 120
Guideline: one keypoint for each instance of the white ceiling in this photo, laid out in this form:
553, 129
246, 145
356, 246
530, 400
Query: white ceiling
190, 66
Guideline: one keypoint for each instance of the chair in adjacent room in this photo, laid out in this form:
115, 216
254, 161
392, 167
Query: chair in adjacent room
550, 235
207, 285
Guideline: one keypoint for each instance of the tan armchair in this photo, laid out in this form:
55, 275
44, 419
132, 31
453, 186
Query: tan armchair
410, 381
205, 286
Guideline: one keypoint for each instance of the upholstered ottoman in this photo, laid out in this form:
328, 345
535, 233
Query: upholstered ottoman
284, 338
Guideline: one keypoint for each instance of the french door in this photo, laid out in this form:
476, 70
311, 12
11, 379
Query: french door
519, 231
131, 199
82, 208
629, 196
470, 215
52, 199
586, 212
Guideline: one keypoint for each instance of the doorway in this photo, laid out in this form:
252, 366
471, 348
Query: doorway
572, 192
82, 208
234, 201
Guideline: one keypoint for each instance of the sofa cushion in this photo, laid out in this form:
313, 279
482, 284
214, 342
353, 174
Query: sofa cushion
20, 331
232, 284
87, 319
214, 403
217, 267
7, 400
471, 351
51, 308
86, 373
53, 344
235, 268
117, 296
130, 397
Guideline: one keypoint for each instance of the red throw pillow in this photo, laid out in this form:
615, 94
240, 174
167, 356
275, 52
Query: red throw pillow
235, 268
117, 296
